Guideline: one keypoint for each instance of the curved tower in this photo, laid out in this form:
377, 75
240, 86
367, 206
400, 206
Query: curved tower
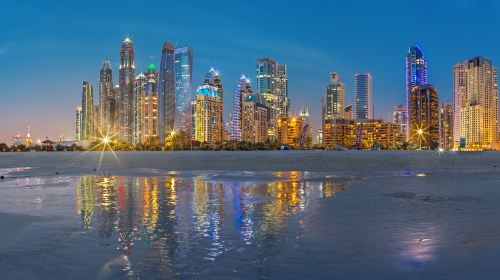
416, 75
126, 83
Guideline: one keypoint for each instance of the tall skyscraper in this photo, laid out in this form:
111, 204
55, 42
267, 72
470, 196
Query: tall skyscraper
283, 101
87, 111
475, 93
140, 83
78, 123
416, 75
183, 80
243, 88
335, 97
400, 118
446, 126
166, 92
424, 117
363, 92
254, 118
106, 98
126, 77
212, 78
149, 110
272, 83
208, 126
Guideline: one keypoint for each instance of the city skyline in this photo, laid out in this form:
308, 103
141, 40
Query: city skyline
50, 110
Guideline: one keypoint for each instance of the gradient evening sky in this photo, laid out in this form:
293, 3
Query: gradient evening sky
48, 47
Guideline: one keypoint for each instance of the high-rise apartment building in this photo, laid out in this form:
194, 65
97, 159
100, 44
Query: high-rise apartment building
243, 88
87, 111
254, 118
106, 98
183, 69
140, 83
446, 126
126, 82
283, 101
149, 110
400, 118
424, 117
208, 123
335, 98
166, 92
475, 93
363, 92
416, 75
78, 124
212, 78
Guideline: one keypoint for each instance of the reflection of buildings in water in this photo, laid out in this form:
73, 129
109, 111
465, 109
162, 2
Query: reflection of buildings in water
107, 209
243, 211
84, 194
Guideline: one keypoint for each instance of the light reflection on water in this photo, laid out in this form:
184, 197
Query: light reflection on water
178, 223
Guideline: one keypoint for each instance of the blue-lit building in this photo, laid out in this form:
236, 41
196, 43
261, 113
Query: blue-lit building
363, 95
208, 122
416, 75
183, 80
243, 88
166, 92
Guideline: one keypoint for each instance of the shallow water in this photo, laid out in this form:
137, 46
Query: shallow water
429, 217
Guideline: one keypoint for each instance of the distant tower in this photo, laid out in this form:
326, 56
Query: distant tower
78, 124
283, 102
166, 92
150, 105
401, 119
243, 88
416, 75
446, 126
212, 78
126, 79
106, 98
363, 92
267, 72
87, 111
183, 88
335, 97
140, 84
27, 139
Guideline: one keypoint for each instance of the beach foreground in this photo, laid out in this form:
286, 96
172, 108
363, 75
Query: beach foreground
250, 215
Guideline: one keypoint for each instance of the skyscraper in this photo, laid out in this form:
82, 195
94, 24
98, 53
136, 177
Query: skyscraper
106, 98
149, 110
363, 92
335, 97
272, 84
140, 83
446, 126
254, 118
212, 78
87, 111
78, 124
126, 77
416, 75
424, 117
475, 93
166, 92
243, 88
283, 102
208, 126
183, 80
400, 118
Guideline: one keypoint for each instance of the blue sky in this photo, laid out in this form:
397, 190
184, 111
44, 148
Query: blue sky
48, 47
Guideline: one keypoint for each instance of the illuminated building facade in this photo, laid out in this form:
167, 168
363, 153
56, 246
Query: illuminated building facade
254, 119
272, 83
193, 119
446, 126
126, 82
416, 75
360, 134
87, 111
183, 69
139, 98
166, 92
79, 123
475, 93
212, 78
400, 118
424, 117
363, 92
335, 98
106, 98
290, 130
243, 88
208, 122
150, 107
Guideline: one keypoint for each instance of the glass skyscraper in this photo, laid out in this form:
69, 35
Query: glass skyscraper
87, 120
183, 84
416, 75
166, 92
335, 97
106, 98
126, 79
363, 92
243, 88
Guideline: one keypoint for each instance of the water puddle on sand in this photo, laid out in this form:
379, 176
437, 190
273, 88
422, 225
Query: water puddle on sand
174, 224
